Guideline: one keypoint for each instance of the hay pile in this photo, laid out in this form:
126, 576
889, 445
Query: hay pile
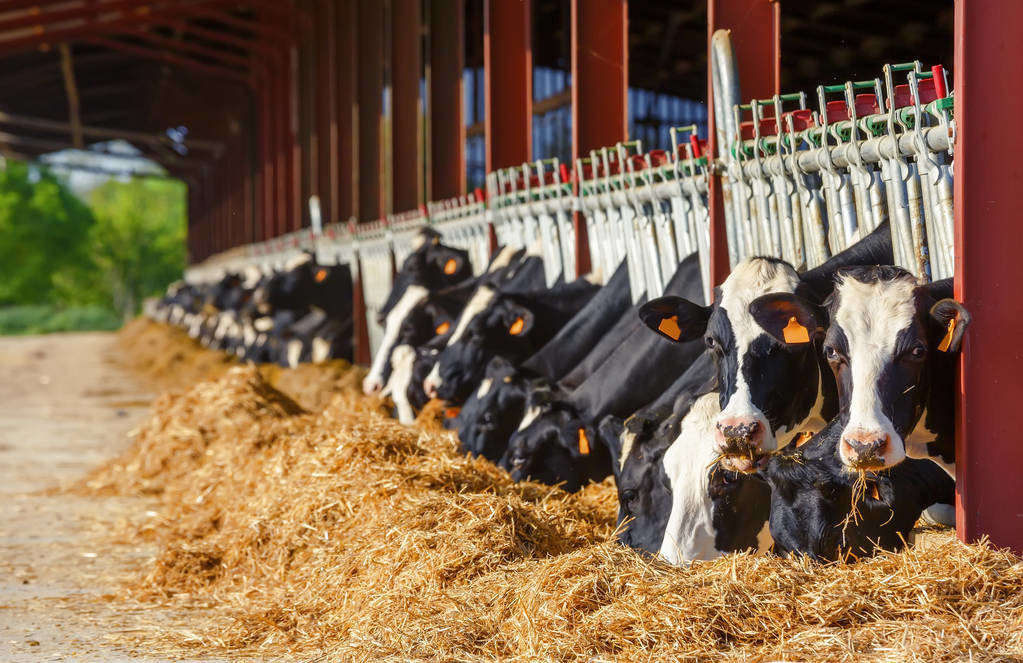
342, 532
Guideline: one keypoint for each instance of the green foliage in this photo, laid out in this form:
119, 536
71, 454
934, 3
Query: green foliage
44, 231
69, 264
138, 240
41, 319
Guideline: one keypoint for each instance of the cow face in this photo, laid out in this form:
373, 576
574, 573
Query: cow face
490, 325
768, 389
492, 413
430, 267
812, 496
885, 335
644, 492
538, 449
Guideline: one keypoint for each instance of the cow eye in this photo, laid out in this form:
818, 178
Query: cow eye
628, 496
710, 342
831, 353
918, 351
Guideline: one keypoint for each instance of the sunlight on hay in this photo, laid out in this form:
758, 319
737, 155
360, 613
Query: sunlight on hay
339, 530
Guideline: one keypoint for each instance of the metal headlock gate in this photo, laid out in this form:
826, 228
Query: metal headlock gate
801, 181
804, 184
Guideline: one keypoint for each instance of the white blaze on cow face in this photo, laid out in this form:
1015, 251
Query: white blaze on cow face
628, 439
321, 350
374, 380
484, 387
476, 305
297, 261
750, 279
502, 260
532, 414
294, 352
871, 315
402, 362
264, 324
690, 534
250, 277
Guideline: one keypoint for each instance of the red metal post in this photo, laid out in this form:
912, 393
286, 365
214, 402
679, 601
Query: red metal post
295, 163
326, 112
988, 271
600, 88
406, 67
370, 70
755, 38
346, 136
446, 177
508, 82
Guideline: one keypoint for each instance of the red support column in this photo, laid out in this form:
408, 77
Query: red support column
370, 70
406, 67
295, 159
755, 38
326, 132
446, 176
345, 127
508, 82
988, 271
600, 88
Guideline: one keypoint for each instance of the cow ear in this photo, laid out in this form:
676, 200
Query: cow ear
449, 262
789, 318
676, 319
953, 319
518, 321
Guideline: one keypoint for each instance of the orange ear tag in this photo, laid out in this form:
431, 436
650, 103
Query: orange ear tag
452, 412
669, 327
795, 332
450, 266
803, 438
321, 276
443, 328
874, 492
947, 341
584, 442
517, 327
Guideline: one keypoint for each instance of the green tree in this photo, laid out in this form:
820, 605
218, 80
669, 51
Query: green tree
138, 240
44, 232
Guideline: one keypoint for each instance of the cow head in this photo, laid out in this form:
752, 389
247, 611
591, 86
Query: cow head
539, 449
812, 501
885, 335
768, 389
491, 414
491, 324
644, 492
430, 267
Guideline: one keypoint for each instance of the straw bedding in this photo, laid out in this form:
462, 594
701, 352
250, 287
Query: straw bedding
337, 531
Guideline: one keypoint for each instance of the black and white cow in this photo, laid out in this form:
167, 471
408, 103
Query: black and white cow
812, 497
502, 322
770, 391
892, 345
549, 440
492, 412
430, 267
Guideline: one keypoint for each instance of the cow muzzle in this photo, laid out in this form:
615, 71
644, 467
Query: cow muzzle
738, 440
864, 449
372, 385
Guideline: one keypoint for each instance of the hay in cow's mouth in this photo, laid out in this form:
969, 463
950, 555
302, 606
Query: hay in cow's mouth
336, 531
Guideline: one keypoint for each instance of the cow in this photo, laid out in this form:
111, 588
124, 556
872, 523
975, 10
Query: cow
491, 413
502, 321
770, 391
550, 437
818, 508
429, 267
892, 346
